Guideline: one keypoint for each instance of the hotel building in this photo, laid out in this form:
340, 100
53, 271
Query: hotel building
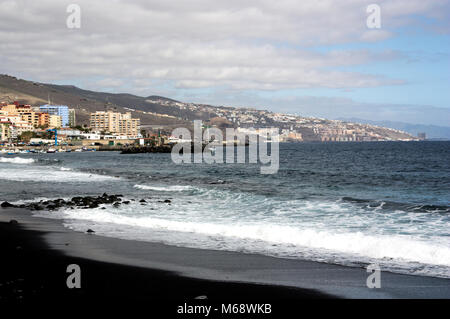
114, 122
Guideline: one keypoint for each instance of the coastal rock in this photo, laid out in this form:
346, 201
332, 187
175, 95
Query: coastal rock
13, 222
167, 201
78, 202
142, 201
90, 231
7, 205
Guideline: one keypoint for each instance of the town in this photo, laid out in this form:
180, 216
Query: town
28, 127
25, 127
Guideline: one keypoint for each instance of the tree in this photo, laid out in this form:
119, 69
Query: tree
27, 136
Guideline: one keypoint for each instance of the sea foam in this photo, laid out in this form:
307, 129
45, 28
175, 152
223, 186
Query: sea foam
50, 174
171, 188
401, 253
16, 160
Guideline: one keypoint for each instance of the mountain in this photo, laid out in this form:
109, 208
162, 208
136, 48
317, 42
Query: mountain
432, 131
161, 111
148, 109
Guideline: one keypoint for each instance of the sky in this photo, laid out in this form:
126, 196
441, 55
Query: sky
313, 58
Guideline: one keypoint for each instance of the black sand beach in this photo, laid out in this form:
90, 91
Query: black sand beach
33, 271
37, 251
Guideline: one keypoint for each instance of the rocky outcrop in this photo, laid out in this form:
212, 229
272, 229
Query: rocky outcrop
80, 202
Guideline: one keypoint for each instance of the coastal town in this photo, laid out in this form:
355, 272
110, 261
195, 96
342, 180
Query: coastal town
25, 125
34, 126
293, 128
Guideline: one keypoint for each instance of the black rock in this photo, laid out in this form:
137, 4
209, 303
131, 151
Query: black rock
6, 205
142, 201
13, 221
90, 231
36, 207
167, 201
126, 202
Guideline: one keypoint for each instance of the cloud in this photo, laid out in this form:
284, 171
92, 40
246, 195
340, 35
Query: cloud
221, 51
251, 45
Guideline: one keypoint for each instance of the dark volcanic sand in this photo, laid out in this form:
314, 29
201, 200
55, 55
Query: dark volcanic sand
37, 251
33, 272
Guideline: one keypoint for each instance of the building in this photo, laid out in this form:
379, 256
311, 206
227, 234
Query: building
72, 118
19, 126
55, 121
114, 122
422, 136
61, 110
44, 119
5, 129
31, 117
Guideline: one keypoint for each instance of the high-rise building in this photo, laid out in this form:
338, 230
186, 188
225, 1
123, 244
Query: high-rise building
61, 110
55, 121
113, 122
5, 129
44, 119
72, 118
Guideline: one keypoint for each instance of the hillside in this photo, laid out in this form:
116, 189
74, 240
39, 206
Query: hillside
432, 131
85, 102
156, 110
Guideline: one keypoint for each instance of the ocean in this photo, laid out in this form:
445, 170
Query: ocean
350, 204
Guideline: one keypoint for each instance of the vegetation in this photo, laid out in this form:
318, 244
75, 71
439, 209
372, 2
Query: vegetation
81, 128
27, 136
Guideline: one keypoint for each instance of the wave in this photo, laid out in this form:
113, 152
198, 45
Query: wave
49, 174
171, 188
16, 160
387, 205
402, 253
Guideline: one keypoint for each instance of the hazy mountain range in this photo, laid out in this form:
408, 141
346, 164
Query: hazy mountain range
432, 131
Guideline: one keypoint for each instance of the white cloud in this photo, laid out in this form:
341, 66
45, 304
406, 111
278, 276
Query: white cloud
258, 45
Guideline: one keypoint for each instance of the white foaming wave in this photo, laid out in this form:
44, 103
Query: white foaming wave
48, 174
65, 169
16, 160
289, 240
172, 188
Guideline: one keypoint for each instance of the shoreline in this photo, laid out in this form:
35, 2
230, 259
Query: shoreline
37, 251
216, 274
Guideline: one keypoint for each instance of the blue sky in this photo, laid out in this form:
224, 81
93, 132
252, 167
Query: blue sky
313, 58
